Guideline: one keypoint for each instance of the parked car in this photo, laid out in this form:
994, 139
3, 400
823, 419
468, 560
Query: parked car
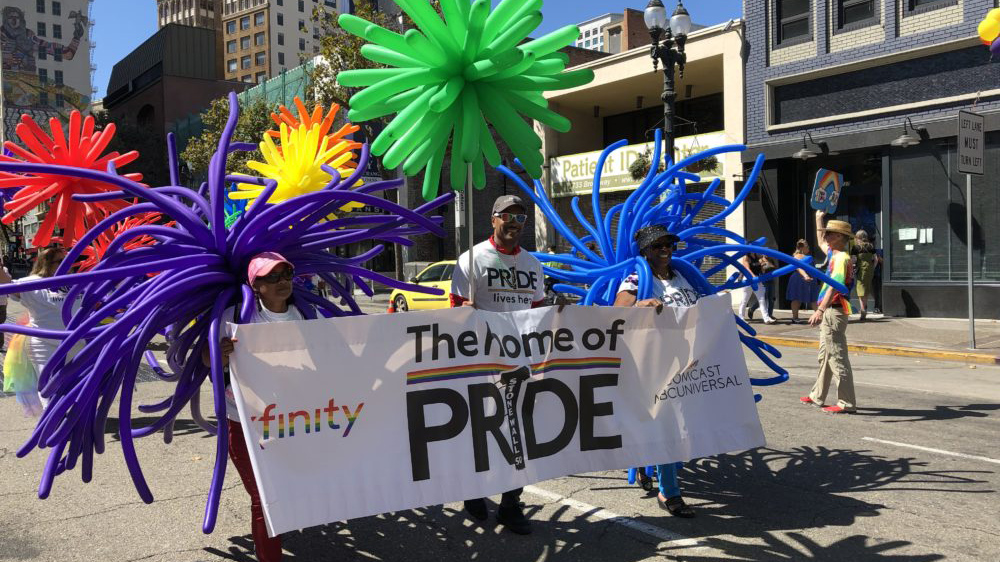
437, 275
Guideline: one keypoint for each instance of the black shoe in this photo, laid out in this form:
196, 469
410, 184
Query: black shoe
477, 509
676, 507
512, 517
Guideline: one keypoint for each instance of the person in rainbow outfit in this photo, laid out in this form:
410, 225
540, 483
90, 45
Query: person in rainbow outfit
831, 315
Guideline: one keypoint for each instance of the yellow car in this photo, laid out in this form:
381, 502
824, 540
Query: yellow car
436, 275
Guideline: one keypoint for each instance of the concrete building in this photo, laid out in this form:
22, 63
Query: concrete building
623, 102
852, 76
47, 69
206, 14
165, 79
592, 32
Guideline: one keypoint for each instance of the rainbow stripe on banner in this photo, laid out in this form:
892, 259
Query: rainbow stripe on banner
490, 369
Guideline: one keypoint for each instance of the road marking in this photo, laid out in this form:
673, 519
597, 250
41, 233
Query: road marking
931, 450
670, 537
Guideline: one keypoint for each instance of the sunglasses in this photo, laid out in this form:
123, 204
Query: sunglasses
661, 245
508, 217
272, 278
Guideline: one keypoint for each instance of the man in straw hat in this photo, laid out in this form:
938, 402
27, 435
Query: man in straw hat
832, 313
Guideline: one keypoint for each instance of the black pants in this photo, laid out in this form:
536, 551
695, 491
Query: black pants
509, 498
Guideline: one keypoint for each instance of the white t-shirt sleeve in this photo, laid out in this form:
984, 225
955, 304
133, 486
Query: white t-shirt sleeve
630, 283
539, 293
460, 277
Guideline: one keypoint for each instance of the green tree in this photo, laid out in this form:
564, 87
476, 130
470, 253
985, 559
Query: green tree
254, 121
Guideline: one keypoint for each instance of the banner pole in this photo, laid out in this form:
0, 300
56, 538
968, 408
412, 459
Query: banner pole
469, 230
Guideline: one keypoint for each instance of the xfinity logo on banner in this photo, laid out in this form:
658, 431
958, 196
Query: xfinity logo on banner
580, 406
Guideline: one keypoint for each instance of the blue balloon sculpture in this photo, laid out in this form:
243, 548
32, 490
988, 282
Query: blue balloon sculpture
662, 198
181, 285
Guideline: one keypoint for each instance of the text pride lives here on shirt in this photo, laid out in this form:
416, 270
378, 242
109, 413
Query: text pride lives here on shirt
503, 282
463, 403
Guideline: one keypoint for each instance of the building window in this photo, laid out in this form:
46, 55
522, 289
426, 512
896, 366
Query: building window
302, 44
302, 6
854, 14
43, 98
258, 19
261, 77
793, 22
302, 26
245, 22
56, 31
42, 55
245, 62
245, 42
41, 29
231, 26
40, 6
56, 9
43, 76
258, 39
281, 38
57, 55
281, 19
59, 100
231, 46
59, 78
246, 78
913, 7
231, 65
281, 2
281, 58
261, 58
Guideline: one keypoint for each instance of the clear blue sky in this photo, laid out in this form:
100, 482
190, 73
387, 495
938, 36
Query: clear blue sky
121, 26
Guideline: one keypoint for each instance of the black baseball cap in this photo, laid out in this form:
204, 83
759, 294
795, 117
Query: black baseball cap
649, 234
505, 201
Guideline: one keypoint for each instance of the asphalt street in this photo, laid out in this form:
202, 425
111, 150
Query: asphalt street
913, 476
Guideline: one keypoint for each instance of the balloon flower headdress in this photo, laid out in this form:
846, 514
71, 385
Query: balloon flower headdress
662, 198
183, 282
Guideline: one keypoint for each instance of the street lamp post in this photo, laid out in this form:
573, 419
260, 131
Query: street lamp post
668, 48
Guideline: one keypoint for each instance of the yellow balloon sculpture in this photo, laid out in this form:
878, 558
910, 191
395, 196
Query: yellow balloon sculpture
989, 28
304, 148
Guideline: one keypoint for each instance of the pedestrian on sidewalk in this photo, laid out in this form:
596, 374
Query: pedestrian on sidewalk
756, 263
865, 260
670, 288
270, 275
831, 315
802, 289
504, 279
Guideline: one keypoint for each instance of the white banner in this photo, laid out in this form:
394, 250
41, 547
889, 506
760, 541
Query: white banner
352, 417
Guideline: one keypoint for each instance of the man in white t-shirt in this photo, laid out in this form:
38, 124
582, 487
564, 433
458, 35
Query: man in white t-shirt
505, 279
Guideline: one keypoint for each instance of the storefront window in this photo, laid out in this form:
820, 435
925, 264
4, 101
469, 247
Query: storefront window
927, 215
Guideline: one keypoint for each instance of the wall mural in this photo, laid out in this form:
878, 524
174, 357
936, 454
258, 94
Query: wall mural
24, 91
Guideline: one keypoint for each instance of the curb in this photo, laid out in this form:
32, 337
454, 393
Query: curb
899, 351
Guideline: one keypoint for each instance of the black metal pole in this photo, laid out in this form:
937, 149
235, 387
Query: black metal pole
669, 97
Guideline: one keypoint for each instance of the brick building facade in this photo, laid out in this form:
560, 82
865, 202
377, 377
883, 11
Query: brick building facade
847, 74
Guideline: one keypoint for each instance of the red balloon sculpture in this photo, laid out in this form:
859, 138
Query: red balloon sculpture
95, 252
82, 149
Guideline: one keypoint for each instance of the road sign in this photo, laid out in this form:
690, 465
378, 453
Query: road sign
971, 127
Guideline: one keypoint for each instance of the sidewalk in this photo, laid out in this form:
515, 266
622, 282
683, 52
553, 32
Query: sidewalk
933, 338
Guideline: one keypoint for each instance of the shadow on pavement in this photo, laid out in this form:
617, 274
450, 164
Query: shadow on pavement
799, 547
182, 427
938, 413
440, 533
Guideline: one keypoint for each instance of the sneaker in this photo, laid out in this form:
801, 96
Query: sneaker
512, 517
807, 400
837, 410
770, 321
477, 509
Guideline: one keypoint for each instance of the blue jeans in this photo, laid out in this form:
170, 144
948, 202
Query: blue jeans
667, 474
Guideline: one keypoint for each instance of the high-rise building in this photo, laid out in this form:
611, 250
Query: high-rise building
592, 32
47, 68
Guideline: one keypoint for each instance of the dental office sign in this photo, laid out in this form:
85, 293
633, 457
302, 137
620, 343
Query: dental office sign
352, 417
574, 174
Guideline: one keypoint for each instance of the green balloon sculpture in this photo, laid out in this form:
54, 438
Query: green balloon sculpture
454, 76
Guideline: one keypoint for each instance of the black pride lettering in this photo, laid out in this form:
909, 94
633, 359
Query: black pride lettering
579, 409
511, 286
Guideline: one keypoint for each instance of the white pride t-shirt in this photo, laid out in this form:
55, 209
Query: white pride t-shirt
503, 283
671, 292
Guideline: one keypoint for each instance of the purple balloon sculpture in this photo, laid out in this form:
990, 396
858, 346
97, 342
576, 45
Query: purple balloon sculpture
181, 285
